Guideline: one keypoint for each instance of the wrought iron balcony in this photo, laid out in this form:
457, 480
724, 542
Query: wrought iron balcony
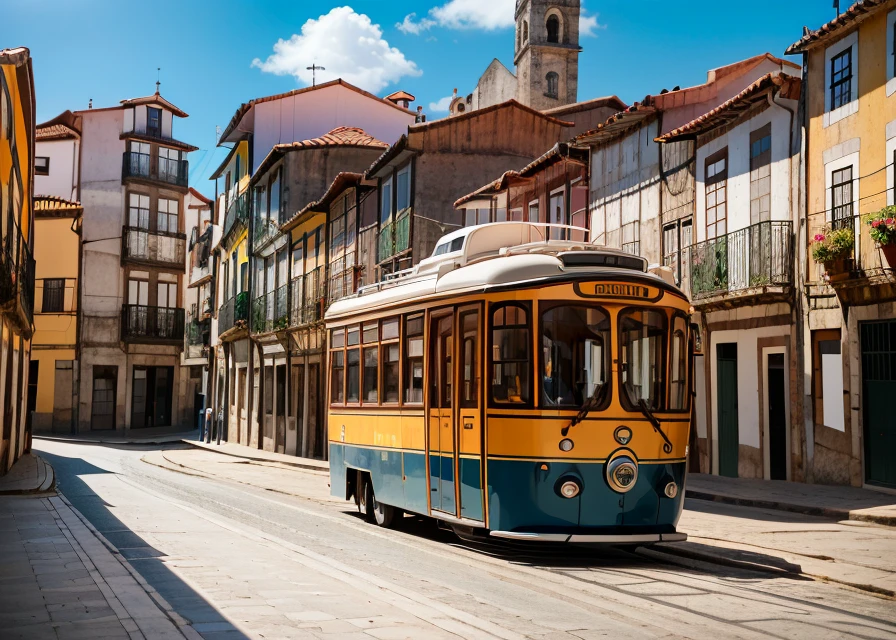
154, 247
270, 311
308, 298
17, 275
756, 257
140, 323
342, 277
395, 237
264, 230
237, 216
196, 335
141, 165
234, 313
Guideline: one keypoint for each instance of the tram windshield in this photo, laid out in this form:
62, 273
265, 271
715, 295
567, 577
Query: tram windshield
575, 356
643, 335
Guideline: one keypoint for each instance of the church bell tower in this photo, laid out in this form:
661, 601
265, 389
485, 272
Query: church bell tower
547, 52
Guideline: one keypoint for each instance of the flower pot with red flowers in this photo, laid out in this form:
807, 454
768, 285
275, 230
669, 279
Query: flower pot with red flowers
883, 232
833, 248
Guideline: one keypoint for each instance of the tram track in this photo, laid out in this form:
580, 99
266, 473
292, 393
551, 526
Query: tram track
605, 580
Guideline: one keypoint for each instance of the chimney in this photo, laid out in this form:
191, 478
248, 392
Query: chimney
90, 104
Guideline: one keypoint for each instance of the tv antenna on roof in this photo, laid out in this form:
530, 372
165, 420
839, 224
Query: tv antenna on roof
158, 81
837, 6
314, 69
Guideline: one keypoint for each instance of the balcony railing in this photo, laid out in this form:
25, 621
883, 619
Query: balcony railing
270, 311
196, 335
140, 165
234, 313
342, 277
237, 214
265, 230
140, 323
154, 247
308, 297
17, 272
394, 237
758, 256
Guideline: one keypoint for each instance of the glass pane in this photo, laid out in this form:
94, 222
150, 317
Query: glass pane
390, 373
390, 329
371, 372
575, 355
337, 390
353, 381
371, 332
643, 351
678, 366
510, 356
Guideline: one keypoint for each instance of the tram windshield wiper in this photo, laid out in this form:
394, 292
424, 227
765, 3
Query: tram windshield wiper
587, 407
656, 424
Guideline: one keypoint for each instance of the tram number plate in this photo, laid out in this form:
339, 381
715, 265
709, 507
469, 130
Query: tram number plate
617, 290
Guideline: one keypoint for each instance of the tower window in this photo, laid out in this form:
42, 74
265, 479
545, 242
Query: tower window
525, 31
553, 25
553, 81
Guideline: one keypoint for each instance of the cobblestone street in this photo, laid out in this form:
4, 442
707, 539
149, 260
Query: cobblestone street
240, 549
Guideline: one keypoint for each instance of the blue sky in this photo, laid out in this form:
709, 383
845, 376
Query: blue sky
109, 50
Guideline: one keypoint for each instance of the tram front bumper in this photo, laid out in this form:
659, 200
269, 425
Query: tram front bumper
637, 538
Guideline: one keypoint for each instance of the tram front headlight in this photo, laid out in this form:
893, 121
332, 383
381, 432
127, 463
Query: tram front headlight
566, 445
671, 490
622, 473
570, 489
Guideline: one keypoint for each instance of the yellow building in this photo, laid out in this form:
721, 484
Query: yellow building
16, 241
54, 346
850, 330
231, 326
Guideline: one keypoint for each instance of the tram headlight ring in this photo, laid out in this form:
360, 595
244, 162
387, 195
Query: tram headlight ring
570, 489
566, 445
622, 474
671, 490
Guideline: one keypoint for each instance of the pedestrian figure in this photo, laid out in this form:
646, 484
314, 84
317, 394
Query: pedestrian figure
208, 425
220, 424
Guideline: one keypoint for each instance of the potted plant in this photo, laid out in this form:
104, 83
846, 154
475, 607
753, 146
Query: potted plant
833, 247
883, 232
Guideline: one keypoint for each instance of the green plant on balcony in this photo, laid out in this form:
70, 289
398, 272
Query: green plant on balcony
833, 248
241, 306
760, 280
882, 229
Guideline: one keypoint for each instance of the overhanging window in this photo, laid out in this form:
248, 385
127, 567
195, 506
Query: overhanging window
716, 181
760, 174
841, 78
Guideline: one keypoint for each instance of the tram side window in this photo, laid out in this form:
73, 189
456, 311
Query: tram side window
413, 360
575, 357
510, 355
469, 361
678, 398
371, 372
642, 335
337, 381
353, 377
390, 372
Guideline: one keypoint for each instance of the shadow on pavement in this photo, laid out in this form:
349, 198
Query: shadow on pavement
147, 560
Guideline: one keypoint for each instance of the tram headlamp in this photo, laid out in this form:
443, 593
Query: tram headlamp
566, 444
671, 490
570, 489
622, 473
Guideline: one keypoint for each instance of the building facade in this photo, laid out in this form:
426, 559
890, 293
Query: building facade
16, 251
850, 118
133, 182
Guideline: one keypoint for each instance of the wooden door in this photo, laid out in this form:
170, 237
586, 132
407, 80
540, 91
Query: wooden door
726, 390
878, 389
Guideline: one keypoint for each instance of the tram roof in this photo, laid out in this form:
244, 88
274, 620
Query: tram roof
494, 255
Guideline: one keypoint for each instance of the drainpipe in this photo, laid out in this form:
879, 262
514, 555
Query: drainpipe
800, 304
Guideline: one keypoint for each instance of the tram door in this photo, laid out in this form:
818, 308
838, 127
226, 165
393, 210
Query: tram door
441, 413
469, 421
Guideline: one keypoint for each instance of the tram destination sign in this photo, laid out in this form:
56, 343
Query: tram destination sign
625, 290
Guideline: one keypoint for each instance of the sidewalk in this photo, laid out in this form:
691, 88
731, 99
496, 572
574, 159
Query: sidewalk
29, 475
256, 455
839, 503
162, 435
58, 580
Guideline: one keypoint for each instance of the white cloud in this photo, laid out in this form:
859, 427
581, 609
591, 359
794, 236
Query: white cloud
442, 105
486, 15
348, 45
475, 14
414, 28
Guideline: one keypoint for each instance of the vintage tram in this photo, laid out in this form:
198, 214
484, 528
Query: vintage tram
520, 383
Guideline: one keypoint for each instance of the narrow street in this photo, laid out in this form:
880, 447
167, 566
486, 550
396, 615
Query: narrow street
238, 560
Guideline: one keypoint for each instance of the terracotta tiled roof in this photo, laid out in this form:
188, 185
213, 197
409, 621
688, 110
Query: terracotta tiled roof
199, 196
618, 123
338, 137
154, 99
857, 12
244, 108
494, 186
401, 95
54, 206
733, 108
63, 126
607, 101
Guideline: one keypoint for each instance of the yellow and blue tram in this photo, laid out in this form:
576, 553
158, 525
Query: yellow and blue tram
519, 383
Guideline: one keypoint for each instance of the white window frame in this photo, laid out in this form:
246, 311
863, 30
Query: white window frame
851, 107
829, 169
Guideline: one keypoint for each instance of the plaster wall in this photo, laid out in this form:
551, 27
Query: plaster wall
63, 178
497, 84
308, 115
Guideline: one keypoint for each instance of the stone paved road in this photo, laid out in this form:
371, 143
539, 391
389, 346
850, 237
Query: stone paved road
240, 561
